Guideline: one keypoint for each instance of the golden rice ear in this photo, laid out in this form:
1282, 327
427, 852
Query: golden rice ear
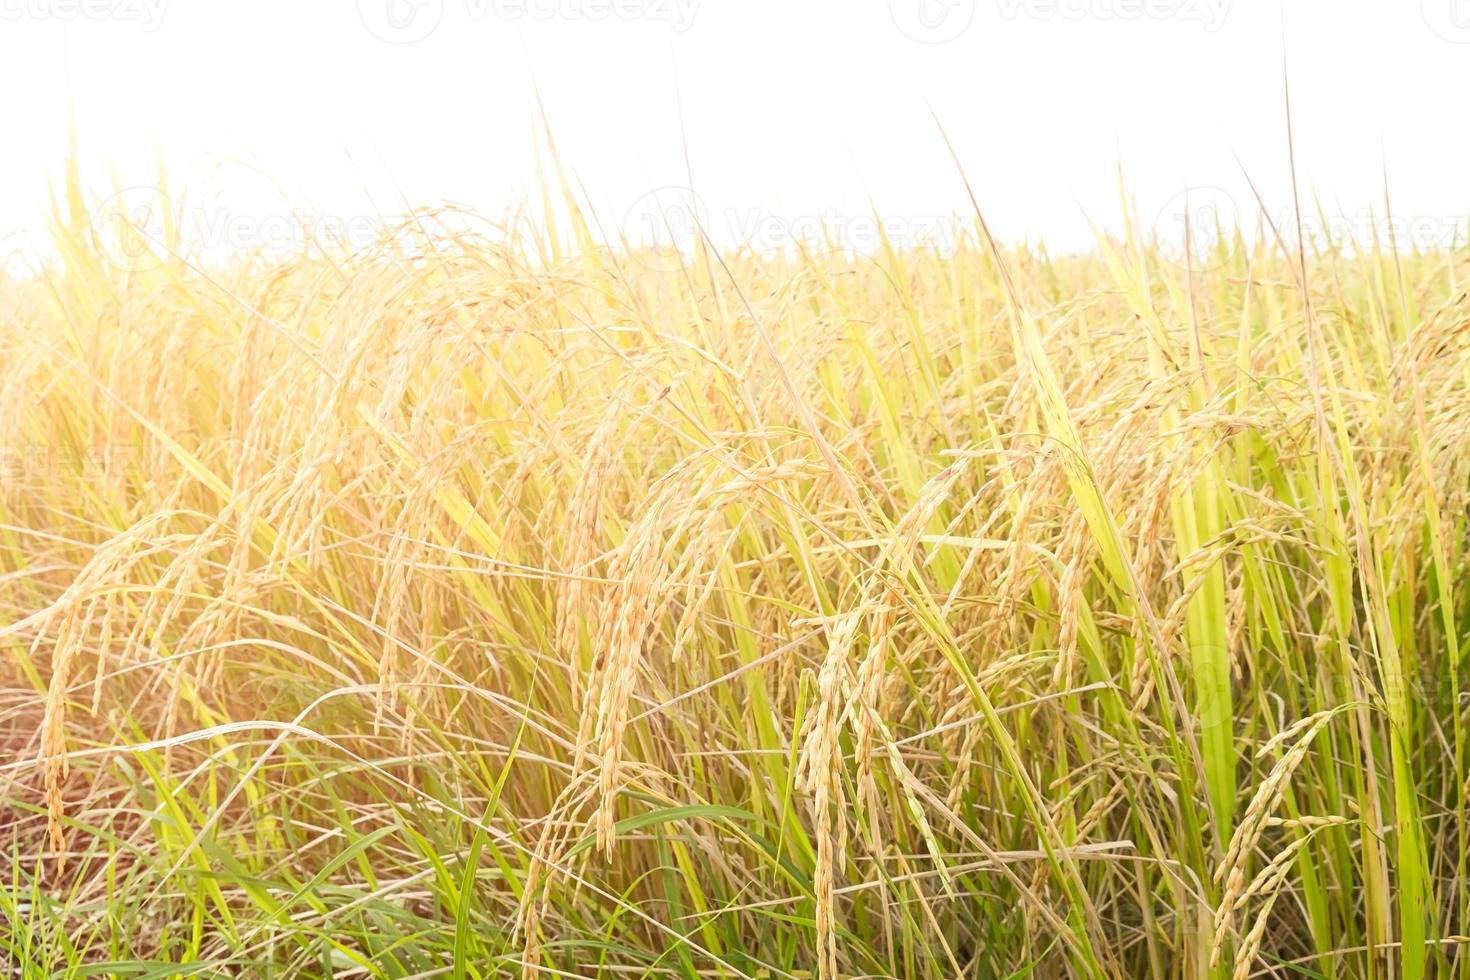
823, 765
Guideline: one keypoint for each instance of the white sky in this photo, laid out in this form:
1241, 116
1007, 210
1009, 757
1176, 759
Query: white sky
794, 110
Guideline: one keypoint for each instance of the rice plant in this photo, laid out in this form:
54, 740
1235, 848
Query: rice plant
533, 603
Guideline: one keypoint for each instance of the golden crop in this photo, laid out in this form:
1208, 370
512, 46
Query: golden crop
486, 605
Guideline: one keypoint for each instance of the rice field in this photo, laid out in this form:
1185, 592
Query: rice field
528, 604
